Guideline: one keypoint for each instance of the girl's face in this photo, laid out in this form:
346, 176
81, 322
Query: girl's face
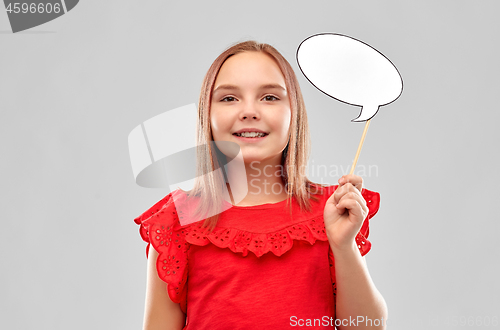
250, 93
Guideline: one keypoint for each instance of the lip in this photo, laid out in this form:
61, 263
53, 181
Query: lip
250, 140
249, 129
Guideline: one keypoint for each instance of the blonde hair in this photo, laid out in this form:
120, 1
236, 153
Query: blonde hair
209, 183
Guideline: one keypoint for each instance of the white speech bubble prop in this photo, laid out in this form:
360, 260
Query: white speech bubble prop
350, 71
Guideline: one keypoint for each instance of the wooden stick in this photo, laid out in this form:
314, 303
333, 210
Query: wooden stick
360, 146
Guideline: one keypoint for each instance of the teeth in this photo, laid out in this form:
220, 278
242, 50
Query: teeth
250, 134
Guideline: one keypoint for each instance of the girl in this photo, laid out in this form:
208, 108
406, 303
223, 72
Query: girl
259, 264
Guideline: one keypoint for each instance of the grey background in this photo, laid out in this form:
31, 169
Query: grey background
71, 91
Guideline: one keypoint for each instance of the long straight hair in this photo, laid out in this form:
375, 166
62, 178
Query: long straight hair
209, 183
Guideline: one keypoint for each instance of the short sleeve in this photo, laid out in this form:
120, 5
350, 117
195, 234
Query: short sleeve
373, 202
364, 245
160, 227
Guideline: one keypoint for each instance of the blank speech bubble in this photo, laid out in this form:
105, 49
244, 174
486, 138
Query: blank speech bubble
350, 71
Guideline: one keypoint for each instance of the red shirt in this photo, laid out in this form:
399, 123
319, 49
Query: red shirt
260, 268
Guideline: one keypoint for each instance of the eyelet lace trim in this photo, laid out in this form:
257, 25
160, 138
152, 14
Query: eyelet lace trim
160, 227
278, 242
240, 241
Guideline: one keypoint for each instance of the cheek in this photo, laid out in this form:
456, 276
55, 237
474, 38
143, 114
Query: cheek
213, 125
287, 118
217, 123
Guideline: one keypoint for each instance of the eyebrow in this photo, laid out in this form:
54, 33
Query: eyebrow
233, 87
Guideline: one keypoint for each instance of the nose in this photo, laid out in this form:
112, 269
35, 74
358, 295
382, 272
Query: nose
249, 110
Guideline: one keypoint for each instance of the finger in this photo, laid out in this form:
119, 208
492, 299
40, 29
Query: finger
355, 180
338, 193
352, 206
341, 191
355, 195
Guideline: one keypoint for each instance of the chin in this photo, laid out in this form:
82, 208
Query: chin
248, 158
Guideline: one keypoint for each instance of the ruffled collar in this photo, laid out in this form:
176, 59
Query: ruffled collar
260, 228
277, 241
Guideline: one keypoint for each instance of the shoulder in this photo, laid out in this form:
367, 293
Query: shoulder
162, 216
161, 204
174, 200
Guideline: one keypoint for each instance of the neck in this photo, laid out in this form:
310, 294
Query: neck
263, 183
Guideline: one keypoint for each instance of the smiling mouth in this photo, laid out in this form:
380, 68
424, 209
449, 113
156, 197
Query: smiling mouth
250, 135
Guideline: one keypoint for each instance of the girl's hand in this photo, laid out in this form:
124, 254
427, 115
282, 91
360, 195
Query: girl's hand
345, 212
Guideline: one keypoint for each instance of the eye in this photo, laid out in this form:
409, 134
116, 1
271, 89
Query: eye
228, 99
270, 98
